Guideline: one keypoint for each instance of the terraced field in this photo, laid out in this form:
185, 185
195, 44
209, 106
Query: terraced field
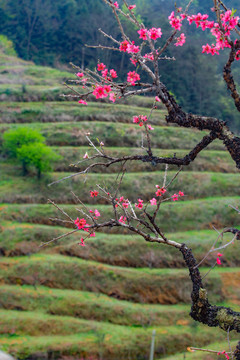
102, 301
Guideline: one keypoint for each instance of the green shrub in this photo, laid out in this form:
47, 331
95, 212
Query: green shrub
38, 155
26, 146
6, 46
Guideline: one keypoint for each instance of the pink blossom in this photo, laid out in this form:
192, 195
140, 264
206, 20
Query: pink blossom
237, 56
132, 49
175, 197
124, 45
80, 74
82, 242
125, 204
102, 143
99, 92
97, 213
180, 193
143, 34
132, 77
219, 261
101, 67
80, 223
131, 7
140, 204
94, 193
175, 22
116, 4
180, 40
219, 254
150, 127
112, 97
82, 102
86, 156
133, 61
157, 99
155, 33
122, 219
153, 201
160, 191
113, 74
209, 50
149, 56
107, 88
104, 73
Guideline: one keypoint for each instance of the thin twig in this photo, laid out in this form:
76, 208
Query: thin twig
59, 237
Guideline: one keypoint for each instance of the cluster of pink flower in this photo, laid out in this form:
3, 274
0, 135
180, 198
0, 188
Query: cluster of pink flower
130, 7
139, 204
228, 23
125, 46
125, 202
96, 213
230, 19
224, 353
132, 77
153, 33
112, 73
201, 20
140, 119
181, 40
150, 56
175, 196
82, 225
218, 260
160, 190
176, 21
133, 61
122, 219
94, 193
104, 91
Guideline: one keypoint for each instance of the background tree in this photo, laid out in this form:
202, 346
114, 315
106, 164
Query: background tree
26, 146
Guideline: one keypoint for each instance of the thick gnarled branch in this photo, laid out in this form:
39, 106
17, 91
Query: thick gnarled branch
202, 311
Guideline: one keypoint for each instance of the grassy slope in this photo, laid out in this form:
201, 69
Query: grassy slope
24, 239
142, 285
116, 342
74, 134
71, 111
181, 216
203, 355
193, 184
208, 160
138, 285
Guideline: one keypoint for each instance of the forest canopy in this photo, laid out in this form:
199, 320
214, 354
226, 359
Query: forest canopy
55, 33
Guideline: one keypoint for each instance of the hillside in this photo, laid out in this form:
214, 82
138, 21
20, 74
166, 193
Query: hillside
102, 301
